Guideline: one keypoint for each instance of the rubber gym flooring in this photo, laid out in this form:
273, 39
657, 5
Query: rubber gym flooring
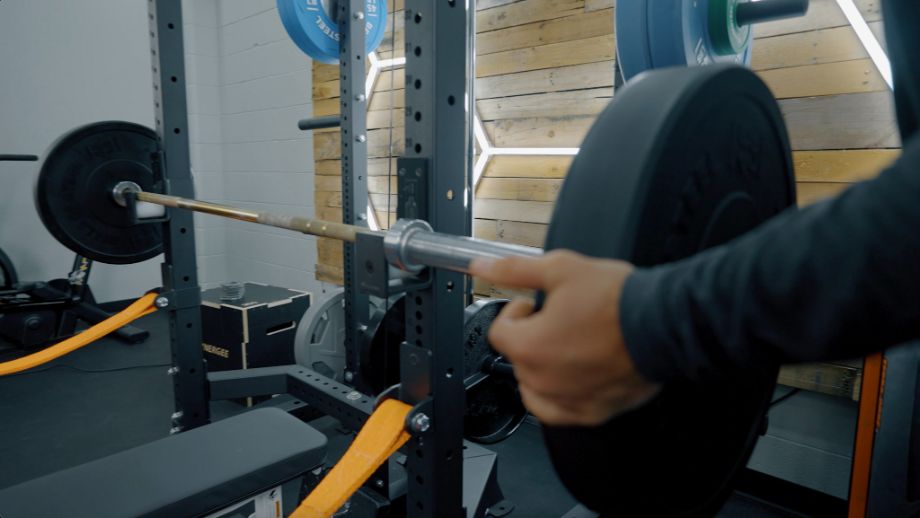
111, 396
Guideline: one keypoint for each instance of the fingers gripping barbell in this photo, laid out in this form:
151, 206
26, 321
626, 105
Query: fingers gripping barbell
681, 160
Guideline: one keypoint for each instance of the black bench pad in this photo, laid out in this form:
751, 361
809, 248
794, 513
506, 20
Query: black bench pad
188, 474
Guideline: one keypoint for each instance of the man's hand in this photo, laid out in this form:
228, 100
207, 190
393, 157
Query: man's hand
569, 358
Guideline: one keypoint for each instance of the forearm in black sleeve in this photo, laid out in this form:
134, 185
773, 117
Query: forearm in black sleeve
835, 280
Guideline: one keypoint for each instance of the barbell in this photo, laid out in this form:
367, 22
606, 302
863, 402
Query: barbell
681, 160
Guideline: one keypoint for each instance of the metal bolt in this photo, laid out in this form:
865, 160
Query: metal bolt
362, 328
361, 138
173, 371
349, 376
358, 15
360, 98
418, 172
450, 194
420, 423
402, 172
161, 302
378, 482
177, 415
362, 217
174, 430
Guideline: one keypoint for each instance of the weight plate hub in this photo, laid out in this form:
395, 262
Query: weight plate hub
683, 159
654, 34
73, 193
311, 24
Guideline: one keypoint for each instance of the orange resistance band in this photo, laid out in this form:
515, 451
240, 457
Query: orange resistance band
382, 434
140, 307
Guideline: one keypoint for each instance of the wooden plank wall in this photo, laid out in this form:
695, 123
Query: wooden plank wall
544, 71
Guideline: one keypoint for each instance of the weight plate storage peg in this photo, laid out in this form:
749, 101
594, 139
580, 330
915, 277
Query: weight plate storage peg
73, 193
681, 160
311, 24
654, 34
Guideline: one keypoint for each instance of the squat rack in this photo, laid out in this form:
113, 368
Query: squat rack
434, 184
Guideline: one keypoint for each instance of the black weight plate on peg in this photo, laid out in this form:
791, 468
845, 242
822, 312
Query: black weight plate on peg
681, 160
73, 193
494, 409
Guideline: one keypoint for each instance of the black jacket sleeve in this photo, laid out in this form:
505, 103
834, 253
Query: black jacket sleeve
838, 279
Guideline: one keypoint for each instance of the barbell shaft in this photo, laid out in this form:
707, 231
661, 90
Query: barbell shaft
310, 226
409, 244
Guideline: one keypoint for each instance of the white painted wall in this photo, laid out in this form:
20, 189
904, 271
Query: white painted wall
65, 64
267, 162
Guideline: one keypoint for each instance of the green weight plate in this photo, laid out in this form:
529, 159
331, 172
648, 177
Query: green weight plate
682, 159
726, 36
73, 193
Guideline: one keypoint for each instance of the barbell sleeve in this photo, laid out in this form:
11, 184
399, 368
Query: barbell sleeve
411, 245
758, 12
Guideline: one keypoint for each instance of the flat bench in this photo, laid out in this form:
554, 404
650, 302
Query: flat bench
189, 474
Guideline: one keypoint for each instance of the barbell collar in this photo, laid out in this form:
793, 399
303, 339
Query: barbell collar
748, 13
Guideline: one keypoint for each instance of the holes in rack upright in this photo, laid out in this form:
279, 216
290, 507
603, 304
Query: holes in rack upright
418, 116
418, 51
451, 100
